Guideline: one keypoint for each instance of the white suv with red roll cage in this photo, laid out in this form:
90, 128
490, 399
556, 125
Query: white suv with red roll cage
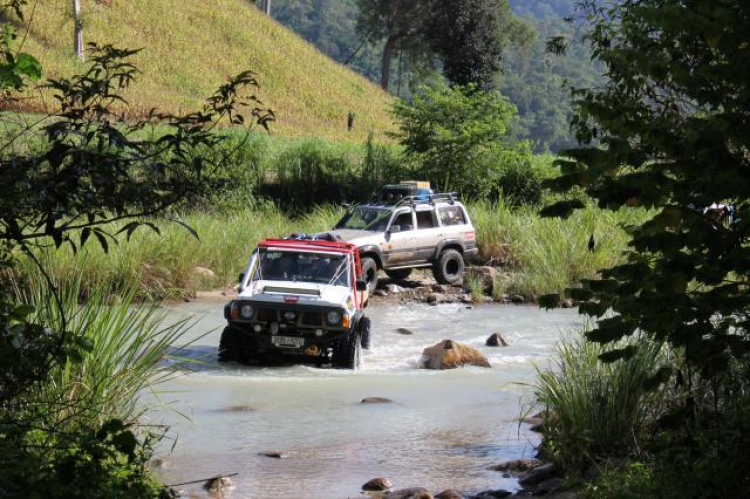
301, 298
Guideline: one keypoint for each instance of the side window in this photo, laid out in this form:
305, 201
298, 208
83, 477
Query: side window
405, 221
452, 215
425, 220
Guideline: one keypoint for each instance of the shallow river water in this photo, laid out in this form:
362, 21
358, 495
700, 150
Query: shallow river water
442, 431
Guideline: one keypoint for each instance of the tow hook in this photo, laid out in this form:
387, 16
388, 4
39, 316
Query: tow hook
312, 351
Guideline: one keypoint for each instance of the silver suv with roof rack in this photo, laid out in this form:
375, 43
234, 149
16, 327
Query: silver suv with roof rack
410, 227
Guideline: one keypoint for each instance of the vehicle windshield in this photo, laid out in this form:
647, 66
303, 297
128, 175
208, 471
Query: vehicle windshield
301, 267
362, 218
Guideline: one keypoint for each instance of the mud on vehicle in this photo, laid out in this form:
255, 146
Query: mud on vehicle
299, 299
410, 227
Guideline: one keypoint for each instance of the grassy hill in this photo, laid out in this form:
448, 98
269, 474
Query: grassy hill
191, 46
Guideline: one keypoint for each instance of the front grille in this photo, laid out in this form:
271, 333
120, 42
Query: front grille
268, 315
312, 319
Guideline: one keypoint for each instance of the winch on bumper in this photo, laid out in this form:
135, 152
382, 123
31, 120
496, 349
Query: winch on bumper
289, 329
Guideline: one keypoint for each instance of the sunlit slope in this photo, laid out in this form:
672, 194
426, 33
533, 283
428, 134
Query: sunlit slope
191, 46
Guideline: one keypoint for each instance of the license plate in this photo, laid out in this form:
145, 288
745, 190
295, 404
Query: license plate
288, 341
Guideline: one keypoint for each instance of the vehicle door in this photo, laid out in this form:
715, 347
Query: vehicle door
428, 235
400, 239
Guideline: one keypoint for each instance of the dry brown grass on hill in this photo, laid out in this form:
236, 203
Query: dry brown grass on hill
191, 46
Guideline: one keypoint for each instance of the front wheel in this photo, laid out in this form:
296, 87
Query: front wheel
449, 267
347, 354
230, 345
370, 274
365, 333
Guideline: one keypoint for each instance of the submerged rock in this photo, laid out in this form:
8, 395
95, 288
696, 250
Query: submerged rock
218, 483
517, 465
238, 408
449, 494
411, 493
496, 340
449, 355
377, 485
376, 400
404, 331
273, 454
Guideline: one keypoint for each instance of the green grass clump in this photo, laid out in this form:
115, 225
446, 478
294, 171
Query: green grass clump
547, 255
595, 410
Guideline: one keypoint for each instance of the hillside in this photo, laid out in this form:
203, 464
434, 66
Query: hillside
191, 46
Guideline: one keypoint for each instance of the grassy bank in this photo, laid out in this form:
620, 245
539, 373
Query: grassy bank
537, 255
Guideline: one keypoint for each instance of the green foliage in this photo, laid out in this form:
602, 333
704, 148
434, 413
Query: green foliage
672, 122
595, 410
459, 138
635, 480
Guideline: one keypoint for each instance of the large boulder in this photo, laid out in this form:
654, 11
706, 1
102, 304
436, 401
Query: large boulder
449, 494
486, 275
496, 340
448, 355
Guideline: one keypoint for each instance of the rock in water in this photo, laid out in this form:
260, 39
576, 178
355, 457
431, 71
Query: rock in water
449, 355
412, 493
404, 331
376, 400
273, 454
538, 475
449, 494
377, 485
217, 484
517, 465
496, 340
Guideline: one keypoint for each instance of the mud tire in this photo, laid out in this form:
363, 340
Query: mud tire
398, 274
231, 346
347, 354
370, 274
365, 333
449, 267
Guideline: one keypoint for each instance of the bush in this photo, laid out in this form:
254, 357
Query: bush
596, 410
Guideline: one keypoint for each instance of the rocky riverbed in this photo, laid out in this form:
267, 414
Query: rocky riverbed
297, 431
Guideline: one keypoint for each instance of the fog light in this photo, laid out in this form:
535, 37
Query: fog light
318, 332
257, 328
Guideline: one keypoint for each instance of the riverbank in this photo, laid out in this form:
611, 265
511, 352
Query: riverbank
530, 256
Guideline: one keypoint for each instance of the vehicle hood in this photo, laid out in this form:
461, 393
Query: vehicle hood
358, 237
303, 293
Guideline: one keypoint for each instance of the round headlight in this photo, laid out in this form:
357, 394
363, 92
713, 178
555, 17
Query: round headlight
289, 315
246, 311
333, 317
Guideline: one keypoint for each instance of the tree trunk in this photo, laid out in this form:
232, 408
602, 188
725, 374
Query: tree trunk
265, 5
385, 74
78, 43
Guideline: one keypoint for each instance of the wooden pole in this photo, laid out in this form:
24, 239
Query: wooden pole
78, 43
265, 5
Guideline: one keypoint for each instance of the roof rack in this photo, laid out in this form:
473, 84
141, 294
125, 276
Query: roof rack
450, 197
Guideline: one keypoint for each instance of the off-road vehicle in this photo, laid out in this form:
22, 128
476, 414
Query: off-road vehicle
410, 227
302, 298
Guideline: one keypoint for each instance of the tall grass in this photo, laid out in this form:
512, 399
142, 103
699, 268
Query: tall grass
128, 348
594, 410
546, 255
164, 266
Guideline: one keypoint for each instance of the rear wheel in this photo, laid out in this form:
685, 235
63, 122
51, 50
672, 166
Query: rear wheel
449, 268
364, 333
370, 274
347, 354
398, 274
231, 345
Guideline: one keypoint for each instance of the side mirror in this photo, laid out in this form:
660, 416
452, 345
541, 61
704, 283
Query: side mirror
361, 285
394, 229
406, 228
241, 277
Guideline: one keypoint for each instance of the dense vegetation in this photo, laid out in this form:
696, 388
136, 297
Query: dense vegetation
537, 82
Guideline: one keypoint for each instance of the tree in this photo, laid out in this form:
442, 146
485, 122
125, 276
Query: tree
469, 37
400, 23
459, 138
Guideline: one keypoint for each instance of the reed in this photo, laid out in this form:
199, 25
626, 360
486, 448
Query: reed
595, 410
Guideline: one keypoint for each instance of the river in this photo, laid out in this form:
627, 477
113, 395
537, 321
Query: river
443, 429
